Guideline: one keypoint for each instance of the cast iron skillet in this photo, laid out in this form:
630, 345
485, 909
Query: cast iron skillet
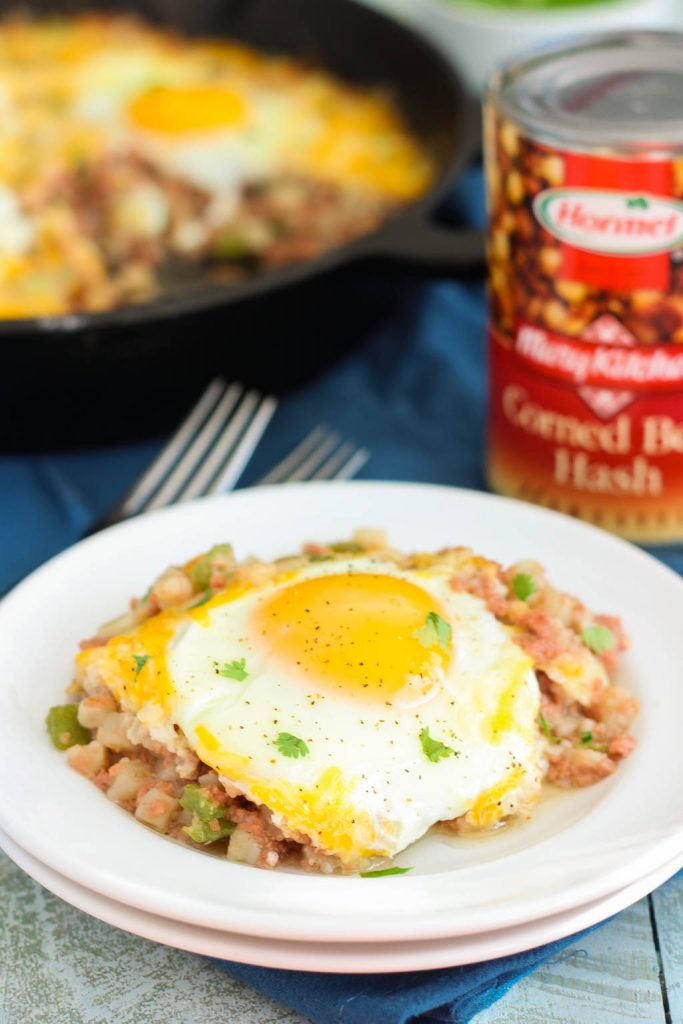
362, 46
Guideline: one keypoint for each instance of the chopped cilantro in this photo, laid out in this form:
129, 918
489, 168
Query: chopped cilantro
320, 558
433, 748
598, 638
384, 871
546, 730
235, 670
206, 596
523, 586
436, 632
291, 746
588, 741
346, 547
140, 662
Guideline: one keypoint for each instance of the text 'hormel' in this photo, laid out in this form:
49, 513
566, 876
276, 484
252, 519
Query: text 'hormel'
611, 222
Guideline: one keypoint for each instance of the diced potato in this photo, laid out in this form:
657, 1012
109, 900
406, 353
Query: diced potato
577, 671
156, 808
243, 847
172, 589
141, 211
93, 710
113, 732
256, 573
167, 770
88, 758
208, 779
127, 777
370, 539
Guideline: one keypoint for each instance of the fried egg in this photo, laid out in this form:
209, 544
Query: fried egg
146, 144
217, 135
360, 702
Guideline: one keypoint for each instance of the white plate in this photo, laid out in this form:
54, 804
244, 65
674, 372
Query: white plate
337, 958
579, 847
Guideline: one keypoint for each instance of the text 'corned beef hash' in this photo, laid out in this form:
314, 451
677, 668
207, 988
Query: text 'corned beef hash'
326, 709
125, 148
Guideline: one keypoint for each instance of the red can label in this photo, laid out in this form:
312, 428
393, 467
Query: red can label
586, 336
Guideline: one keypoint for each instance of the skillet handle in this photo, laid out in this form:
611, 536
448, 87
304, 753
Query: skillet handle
435, 248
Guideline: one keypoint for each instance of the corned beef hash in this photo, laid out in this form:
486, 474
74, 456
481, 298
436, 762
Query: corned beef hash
125, 149
328, 708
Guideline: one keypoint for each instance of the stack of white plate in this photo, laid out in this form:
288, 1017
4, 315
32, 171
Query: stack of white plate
585, 855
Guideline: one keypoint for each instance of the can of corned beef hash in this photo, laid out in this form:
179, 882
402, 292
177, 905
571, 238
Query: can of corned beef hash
584, 169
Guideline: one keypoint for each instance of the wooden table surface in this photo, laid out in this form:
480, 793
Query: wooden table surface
60, 966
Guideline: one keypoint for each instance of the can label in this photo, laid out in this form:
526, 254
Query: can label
586, 333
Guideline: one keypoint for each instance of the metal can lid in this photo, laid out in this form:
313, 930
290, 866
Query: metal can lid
620, 91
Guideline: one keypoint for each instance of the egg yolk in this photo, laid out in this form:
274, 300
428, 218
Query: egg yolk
192, 108
357, 633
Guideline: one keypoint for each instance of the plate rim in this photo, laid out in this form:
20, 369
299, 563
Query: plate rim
265, 952
467, 493
668, 848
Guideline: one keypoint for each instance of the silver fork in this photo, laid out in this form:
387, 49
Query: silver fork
322, 455
210, 449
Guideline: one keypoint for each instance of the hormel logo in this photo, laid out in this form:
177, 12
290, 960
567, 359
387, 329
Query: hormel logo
609, 222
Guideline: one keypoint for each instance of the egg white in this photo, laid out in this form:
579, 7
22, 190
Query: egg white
222, 159
366, 788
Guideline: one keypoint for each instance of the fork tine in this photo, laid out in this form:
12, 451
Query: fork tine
313, 461
234, 467
354, 464
224, 442
337, 459
171, 452
280, 473
220, 462
195, 453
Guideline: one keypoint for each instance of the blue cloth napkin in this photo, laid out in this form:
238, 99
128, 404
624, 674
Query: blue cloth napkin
415, 396
449, 996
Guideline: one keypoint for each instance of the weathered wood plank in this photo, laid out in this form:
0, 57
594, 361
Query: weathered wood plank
60, 966
668, 907
612, 976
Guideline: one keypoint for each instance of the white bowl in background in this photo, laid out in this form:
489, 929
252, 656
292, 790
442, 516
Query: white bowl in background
478, 36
